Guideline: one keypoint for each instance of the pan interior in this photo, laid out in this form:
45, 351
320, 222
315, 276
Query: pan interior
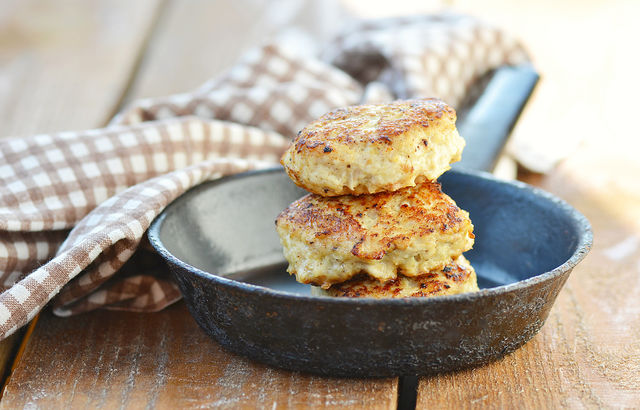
227, 228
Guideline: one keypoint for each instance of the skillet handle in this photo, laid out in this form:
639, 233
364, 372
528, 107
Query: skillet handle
488, 123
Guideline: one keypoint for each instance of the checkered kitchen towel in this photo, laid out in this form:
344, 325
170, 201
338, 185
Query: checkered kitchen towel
74, 206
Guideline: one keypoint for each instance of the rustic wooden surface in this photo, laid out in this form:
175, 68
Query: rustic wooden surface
192, 44
128, 360
588, 353
44, 66
65, 65
113, 359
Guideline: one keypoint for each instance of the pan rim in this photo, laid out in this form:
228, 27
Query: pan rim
583, 246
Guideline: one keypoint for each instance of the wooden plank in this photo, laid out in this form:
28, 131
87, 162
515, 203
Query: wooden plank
198, 40
65, 65
588, 352
132, 360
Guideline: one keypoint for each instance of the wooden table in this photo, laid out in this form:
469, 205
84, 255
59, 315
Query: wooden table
73, 64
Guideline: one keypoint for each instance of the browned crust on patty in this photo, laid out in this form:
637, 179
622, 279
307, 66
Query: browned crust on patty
456, 277
373, 225
374, 148
346, 126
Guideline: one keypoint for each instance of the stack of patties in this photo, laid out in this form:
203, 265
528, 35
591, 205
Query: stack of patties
376, 223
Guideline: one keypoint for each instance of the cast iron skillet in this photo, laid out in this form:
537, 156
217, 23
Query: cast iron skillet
219, 240
527, 243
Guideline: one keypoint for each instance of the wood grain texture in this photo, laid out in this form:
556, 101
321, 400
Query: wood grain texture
588, 352
192, 45
587, 355
65, 64
197, 40
130, 360
113, 359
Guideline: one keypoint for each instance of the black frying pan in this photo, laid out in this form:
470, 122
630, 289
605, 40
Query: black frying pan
220, 242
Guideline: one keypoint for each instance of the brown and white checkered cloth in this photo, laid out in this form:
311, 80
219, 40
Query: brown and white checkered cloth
74, 206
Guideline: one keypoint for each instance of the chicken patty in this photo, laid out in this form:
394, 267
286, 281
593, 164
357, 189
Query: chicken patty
457, 277
375, 148
414, 230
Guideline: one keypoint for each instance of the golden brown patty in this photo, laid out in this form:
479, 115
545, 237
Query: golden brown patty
414, 230
457, 277
375, 148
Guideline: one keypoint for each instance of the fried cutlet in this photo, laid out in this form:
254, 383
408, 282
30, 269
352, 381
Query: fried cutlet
375, 148
457, 277
329, 240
